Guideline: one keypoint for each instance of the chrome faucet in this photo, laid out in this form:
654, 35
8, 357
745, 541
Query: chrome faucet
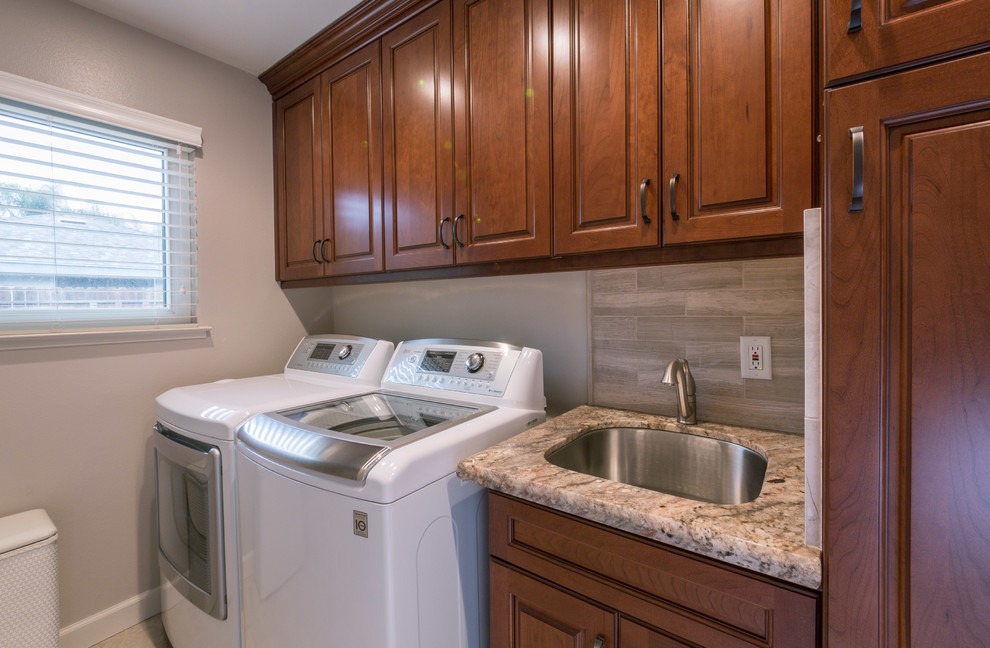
678, 374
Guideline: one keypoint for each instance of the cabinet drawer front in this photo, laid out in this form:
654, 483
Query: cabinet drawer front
533, 537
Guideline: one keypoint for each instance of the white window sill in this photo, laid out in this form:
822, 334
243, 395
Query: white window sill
16, 341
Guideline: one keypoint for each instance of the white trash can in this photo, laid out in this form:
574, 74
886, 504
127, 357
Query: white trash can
28, 581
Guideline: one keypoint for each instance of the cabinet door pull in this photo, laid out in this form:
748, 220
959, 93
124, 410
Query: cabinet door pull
856, 133
855, 17
316, 258
673, 197
322, 253
443, 244
642, 199
599, 641
457, 241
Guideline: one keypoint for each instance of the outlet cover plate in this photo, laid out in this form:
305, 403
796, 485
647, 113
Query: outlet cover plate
751, 347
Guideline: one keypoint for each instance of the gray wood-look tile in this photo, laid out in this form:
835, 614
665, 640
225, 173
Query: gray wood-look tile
698, 312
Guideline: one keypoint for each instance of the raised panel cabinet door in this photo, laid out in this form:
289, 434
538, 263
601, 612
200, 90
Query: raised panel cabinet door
739, 119
605, 92
502, 128
907, 365
525, 613
418, 139
352, 169
871, 35
298, 183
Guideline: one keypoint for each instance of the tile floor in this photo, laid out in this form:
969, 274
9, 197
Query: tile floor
149, 634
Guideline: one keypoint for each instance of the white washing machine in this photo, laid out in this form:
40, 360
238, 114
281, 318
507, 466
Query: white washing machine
354, 529
196, 484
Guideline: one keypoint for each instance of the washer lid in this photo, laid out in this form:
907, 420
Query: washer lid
348, 436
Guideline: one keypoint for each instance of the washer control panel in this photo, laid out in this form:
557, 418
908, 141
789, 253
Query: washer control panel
330, 355
480, 368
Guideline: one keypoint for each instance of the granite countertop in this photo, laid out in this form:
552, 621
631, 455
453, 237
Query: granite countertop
765, 535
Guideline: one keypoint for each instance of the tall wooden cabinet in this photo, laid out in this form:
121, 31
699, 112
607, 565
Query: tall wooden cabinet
907, 364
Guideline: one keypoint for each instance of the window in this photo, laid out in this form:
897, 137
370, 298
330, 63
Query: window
97, 223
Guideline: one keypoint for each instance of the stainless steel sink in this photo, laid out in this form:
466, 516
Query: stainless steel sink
683, 465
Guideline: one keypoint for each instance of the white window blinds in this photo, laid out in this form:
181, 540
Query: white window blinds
97, 224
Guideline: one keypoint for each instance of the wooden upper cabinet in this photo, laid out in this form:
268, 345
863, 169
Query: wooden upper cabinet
502, 129
299, 183
352, 168
328, 172
605, 124
739, 122
862, 36
419, 141
907, 380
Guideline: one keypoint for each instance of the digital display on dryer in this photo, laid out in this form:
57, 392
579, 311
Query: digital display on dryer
438, 361
322, 352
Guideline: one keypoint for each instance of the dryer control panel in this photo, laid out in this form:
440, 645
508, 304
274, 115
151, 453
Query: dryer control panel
482, 368
336, 355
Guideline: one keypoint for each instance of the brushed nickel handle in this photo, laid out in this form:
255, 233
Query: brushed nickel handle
443, 244
599, 641
457, 241
856, 133
673, 197
855, 17
642, 199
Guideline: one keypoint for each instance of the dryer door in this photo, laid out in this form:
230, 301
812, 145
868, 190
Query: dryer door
190, 531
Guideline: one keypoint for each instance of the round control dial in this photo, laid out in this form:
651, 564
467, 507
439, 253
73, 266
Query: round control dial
344, 352
474, 363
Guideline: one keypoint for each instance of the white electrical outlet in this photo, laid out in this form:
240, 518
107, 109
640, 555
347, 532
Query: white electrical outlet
754, 357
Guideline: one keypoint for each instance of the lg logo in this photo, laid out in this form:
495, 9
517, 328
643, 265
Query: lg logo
361, 524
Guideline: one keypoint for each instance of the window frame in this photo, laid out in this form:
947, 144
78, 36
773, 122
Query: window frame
178, 303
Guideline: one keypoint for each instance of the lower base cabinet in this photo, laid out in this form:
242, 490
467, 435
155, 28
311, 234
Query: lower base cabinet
557, 580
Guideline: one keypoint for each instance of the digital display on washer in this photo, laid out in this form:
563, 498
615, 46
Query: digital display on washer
439, 361
322, 352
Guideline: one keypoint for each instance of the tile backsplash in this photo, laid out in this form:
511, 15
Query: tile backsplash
643, 317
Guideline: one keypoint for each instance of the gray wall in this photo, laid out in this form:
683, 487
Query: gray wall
546, 312
75, 423
643, 317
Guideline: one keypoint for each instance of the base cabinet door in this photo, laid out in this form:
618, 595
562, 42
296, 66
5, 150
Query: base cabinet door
907, 363
526, 613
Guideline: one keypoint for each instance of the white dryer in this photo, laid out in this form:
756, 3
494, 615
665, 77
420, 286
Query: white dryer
354, 529
196, 476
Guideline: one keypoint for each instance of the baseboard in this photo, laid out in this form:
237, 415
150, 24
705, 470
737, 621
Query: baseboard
116, 618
